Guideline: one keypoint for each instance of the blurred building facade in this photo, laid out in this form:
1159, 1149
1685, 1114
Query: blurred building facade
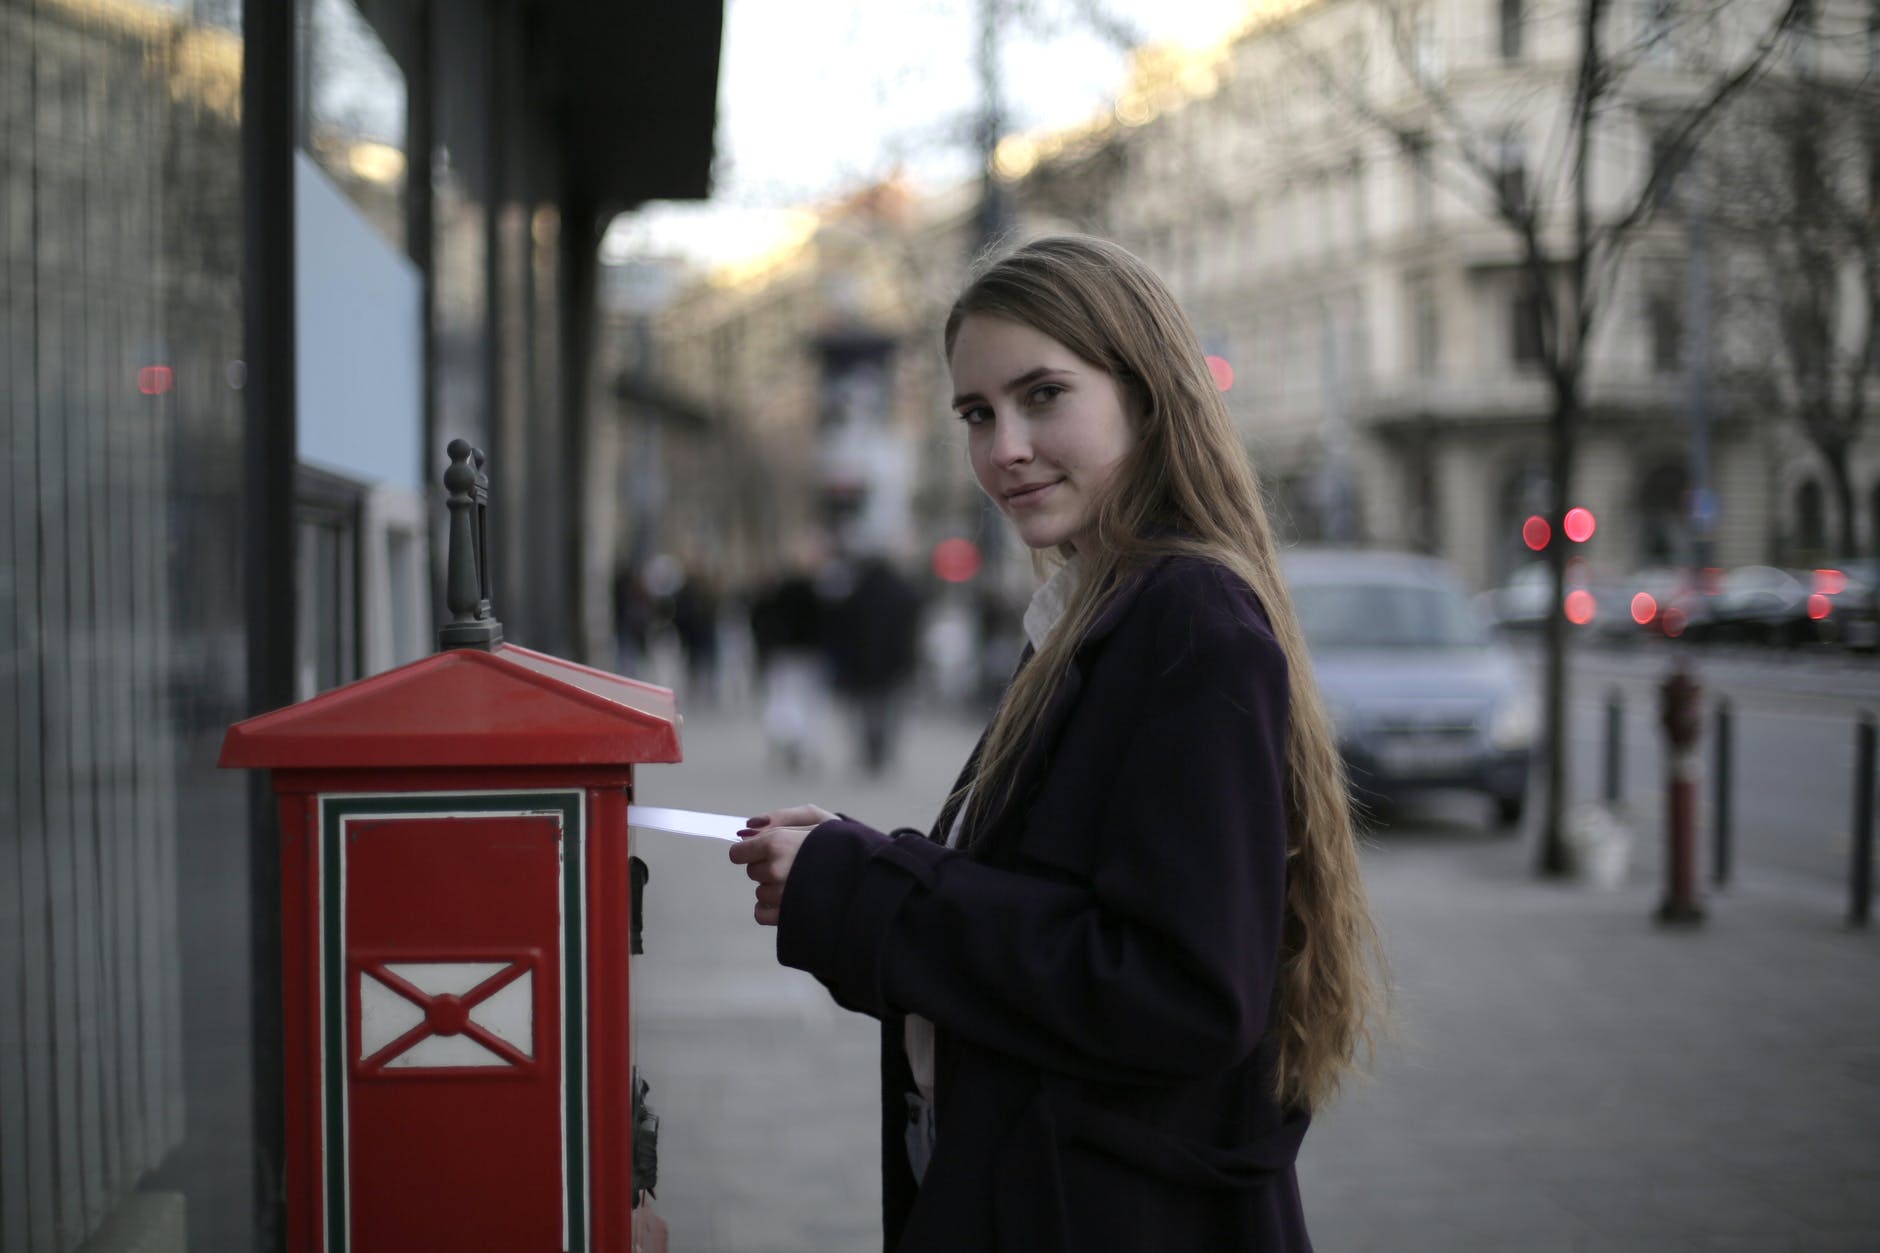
1346, 265
262, 261
822, 361
1387, 372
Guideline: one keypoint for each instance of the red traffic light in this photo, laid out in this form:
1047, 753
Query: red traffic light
1535, 532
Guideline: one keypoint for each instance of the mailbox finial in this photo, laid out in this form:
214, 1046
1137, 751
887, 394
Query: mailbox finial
467, 585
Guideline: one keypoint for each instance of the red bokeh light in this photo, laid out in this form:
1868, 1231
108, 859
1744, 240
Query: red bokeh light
1579, 525
1673, 622
956, 560
1819, 606
1222, 370
1830, 582
1581, 607
154, 380
1644, 608
1535, 532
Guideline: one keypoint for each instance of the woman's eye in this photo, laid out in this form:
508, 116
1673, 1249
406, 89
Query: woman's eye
1045, 393
974, 416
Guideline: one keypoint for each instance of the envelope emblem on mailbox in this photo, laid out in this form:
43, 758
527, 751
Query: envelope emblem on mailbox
419, 1016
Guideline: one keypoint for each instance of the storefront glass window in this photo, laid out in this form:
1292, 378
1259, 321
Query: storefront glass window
126, 1067
352, 111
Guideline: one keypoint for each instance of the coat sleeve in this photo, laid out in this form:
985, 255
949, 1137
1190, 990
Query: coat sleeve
1162, 966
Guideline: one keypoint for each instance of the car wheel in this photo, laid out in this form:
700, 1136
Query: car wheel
1508, 811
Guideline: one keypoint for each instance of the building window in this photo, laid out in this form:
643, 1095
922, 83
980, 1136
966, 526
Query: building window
1811, 517
1416, 150
1663, 530
1525, 332
1806, 34
1664, 319
1511, 171
352, 110
1659, 15
1512, 21
1425, 326
1873, 521
327, 511
1665, 163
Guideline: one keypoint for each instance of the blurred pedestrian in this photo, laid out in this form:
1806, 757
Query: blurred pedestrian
633, 616
871, 638
787, 637
1133, 956
695, 619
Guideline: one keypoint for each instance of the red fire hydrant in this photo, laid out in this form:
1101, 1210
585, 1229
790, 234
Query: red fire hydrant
1680, 712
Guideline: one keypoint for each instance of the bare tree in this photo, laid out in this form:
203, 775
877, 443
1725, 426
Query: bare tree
1796, 195
1569, 254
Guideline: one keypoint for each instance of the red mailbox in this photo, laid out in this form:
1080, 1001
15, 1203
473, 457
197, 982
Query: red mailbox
456, 906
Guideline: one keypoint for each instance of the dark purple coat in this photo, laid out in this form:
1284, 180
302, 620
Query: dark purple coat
1100, 963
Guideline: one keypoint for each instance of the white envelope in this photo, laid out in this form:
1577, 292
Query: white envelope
686, 822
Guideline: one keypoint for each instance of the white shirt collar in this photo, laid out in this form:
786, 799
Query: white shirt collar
1050, 601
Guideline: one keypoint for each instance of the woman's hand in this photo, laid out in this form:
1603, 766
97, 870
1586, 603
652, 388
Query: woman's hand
767, 850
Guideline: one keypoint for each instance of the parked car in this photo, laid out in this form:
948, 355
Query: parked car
1758, 605
1423, 695
1670, 600
1594, 601
1844, 603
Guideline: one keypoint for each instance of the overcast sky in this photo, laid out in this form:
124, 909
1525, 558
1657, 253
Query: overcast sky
816, 97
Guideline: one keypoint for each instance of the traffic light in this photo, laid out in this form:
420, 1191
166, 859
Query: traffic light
1535, 532
1578, 526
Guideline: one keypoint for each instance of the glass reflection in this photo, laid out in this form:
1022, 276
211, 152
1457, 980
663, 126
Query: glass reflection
352, 110
125, 1087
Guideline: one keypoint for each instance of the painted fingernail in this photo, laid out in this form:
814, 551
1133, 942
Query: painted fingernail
758, 822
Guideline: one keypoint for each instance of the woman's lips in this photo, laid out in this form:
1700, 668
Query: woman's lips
1030, 494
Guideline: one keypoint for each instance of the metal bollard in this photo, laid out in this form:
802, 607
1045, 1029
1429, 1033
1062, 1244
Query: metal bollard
1720, 807
1681, 715
1861, 878
1615, 749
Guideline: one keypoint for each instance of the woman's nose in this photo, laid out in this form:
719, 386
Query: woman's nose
1011, 445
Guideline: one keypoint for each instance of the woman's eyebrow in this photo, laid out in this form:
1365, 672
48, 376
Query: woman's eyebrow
1024, 380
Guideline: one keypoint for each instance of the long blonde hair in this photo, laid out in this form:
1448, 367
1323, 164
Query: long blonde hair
1187, 488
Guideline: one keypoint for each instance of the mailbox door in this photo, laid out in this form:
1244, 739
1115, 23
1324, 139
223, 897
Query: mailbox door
451, 996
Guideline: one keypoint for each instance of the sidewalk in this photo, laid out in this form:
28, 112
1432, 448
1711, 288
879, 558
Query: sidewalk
1561, 1074
1565, 1075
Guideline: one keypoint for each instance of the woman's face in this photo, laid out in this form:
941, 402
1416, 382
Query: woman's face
1045, 429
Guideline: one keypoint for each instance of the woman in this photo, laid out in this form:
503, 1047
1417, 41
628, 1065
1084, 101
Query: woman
1134, 955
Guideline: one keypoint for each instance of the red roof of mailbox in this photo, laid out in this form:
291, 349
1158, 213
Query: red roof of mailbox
510, 706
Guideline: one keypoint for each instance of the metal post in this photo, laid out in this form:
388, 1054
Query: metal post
1720, 802
1681, 715
1860, 898
268, 133
467, 589
1615, 749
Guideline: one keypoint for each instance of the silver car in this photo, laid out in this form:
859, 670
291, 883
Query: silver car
1422, 694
